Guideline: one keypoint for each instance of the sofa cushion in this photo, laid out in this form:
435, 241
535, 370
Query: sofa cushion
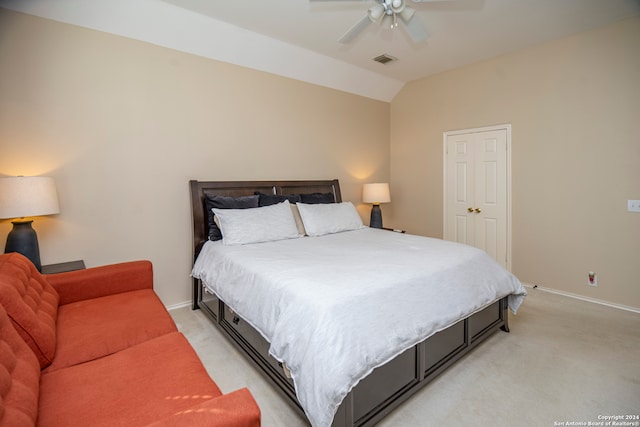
97, 327
31, 303
95, 282
235, 409
134, 387
19, 378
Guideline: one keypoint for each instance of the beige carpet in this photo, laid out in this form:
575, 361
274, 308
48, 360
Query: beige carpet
565, 360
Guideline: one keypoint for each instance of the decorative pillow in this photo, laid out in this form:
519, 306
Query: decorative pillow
321, 219
272, 199
19, 377
265, 224
225, 202
316, 198
31, 303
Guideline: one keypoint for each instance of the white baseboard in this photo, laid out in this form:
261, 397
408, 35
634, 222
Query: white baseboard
178, 305
583, 298
527, 285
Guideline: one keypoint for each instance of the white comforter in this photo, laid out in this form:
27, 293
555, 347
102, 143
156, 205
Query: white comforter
335, 307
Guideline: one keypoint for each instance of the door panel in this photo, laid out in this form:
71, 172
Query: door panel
461, 229
461, 194
488, 235
490, 179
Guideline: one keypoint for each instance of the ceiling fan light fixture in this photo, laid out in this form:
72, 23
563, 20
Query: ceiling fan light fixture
375, 12
397, 6
388, 21
387, 13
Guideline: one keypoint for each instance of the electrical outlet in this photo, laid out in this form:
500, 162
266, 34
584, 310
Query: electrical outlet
592, 279
633, 205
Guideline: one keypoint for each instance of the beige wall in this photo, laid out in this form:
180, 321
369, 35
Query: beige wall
123, 125
574, 106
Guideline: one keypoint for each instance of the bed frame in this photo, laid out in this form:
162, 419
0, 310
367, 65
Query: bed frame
387, 386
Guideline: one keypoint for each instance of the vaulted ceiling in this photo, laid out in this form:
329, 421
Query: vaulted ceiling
299, 38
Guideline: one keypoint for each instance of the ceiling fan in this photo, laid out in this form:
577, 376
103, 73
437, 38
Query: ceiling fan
387, 13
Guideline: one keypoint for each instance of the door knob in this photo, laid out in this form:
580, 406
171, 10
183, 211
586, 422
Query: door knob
478, 210
470, 209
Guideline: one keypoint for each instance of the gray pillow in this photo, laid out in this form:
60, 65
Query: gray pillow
272, 199
317, 198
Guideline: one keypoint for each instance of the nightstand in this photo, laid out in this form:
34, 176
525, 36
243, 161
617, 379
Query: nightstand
63, 267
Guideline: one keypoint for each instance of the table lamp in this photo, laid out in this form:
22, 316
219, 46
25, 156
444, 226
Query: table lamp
26, 196
376, 193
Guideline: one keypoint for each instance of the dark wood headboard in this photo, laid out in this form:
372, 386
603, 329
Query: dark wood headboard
198, 190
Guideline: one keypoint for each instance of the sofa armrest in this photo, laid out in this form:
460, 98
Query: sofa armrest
236, 409
101, 281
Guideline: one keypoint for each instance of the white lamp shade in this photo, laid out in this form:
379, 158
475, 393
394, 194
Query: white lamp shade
376, 193
24, 196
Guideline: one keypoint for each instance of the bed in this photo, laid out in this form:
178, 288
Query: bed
344, 343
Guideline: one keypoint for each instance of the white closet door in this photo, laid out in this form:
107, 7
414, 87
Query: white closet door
490, 206
476, 187
460, 189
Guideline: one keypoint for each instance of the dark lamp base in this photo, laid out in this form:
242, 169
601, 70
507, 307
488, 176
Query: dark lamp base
376, 217
23, 239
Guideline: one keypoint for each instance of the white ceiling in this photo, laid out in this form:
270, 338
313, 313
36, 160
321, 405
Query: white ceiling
298, 38
460, 31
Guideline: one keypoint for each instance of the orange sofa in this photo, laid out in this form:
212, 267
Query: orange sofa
96, 347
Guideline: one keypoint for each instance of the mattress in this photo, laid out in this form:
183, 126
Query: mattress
335, 307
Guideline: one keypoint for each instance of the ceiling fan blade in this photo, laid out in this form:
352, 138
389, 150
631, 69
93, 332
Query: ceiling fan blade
355, 30
414, 28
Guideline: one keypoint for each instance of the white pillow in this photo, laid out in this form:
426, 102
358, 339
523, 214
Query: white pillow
255, 225
326, 218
